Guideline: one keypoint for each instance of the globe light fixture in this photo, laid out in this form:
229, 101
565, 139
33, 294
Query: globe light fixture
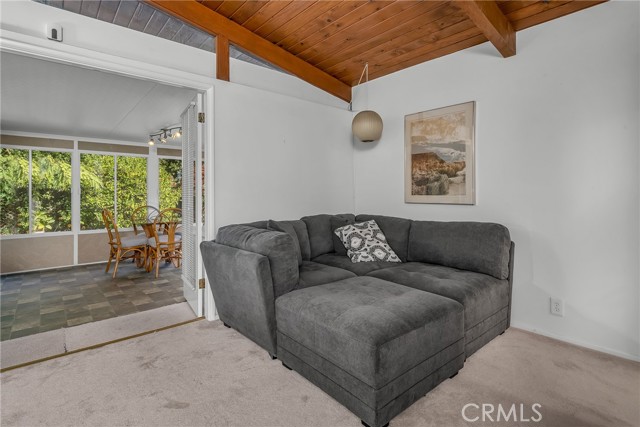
367, 124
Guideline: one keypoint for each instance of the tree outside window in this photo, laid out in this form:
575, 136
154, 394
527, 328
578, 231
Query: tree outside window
170, 183
49, 176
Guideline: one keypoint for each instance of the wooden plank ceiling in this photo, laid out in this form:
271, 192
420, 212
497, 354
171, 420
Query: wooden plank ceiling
337, 38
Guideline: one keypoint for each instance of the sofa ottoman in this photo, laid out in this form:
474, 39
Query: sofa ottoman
373, 345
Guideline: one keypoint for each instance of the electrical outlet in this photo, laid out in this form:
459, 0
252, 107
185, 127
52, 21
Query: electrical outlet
557, 307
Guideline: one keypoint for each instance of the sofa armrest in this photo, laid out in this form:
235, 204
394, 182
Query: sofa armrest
512, 252
243, 291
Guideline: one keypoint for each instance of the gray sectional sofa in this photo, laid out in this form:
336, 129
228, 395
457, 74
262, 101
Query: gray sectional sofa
376, 336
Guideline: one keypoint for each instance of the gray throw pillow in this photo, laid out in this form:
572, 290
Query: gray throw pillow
365, 242
287, 228
337, 222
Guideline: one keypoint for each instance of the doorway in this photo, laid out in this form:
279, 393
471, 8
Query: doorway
70, 244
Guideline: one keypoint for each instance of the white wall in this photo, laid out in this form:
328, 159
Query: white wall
557, 162
278, 157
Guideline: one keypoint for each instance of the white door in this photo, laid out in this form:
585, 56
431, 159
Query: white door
192, 204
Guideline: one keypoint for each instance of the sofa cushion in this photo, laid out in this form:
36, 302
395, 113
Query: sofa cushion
276, 246
313, 274
373, 329
395, 229
359, 268
475, 246
337, 222
365, 242
320, 233
480, 294
287, 227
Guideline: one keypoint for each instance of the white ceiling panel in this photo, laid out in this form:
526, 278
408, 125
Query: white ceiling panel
48, 97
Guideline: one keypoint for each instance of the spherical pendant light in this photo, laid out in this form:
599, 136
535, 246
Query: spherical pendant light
367, 126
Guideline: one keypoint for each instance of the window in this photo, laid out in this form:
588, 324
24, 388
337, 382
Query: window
14, 191
50, 191
132, 187
170, 183
117, 183
39, 178
97, 189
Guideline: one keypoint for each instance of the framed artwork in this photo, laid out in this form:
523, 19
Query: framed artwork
439, 150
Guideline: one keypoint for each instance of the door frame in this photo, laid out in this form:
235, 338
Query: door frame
22, 44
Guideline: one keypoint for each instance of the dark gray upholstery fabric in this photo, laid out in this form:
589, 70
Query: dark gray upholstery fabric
485, 331
276, 246
475, 246
243, 291
287, 227
373, 329
303, 237
320, 233
258, 224
359, 268
396, 230
480, 294
313, 274
354, 398
372, 397
319, 229
337, 222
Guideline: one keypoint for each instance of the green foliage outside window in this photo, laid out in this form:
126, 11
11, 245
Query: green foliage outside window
50, 191
132, 187
170, 183
96, 189
14, 191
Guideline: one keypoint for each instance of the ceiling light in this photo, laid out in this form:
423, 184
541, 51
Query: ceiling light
367, 124
163, 134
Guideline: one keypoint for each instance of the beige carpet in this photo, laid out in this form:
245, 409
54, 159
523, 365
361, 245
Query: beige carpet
203, 374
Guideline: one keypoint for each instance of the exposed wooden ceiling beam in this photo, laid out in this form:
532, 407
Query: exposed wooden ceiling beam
487, 16
222, 58
202, 17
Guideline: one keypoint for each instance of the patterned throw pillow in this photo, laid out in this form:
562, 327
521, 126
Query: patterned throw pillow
365, 242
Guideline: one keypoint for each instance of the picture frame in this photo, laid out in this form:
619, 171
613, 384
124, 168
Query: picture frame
440, 155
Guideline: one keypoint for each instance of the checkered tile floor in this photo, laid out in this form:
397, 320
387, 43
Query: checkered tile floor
46, 300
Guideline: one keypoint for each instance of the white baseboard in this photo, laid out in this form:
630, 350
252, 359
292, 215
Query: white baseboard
572, 341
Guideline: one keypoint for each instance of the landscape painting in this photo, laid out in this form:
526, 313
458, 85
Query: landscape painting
439, 155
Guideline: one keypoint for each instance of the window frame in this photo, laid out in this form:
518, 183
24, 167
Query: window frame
115, 184
31, 211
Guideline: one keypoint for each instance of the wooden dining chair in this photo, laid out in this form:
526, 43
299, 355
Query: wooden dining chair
143, 215
123, 248
165, 246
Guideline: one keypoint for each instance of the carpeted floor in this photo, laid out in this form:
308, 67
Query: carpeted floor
203, 374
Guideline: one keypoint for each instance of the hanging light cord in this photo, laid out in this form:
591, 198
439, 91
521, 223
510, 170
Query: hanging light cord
365, 70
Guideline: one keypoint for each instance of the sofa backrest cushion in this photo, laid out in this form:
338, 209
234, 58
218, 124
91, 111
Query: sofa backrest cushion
276, 246
396, 230
475, 246
337, 222
320, 233
298, 231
